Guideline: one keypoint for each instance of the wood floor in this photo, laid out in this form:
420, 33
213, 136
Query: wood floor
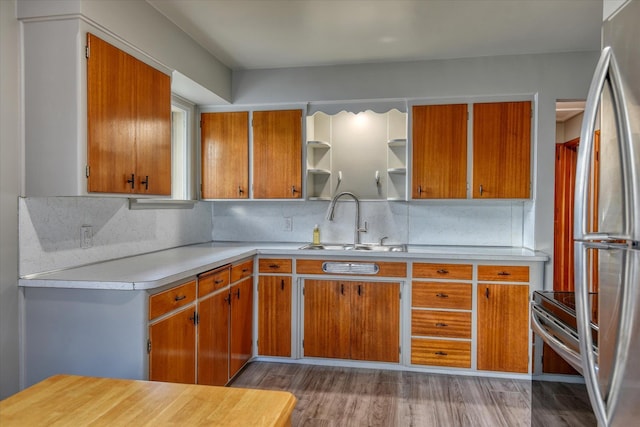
335, 396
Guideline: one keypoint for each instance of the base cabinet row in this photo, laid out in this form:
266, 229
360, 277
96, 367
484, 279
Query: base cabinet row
201, 331
360, 320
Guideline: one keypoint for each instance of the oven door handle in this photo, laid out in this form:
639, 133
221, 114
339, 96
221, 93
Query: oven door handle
558, 346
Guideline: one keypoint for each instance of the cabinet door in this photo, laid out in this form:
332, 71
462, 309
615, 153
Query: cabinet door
274, 316
277, 154
439, 151
213, 339
241, 324
110, 109
327, 319
152, 98
225, 155
503, 327
375, 321
173, 348
128, 123
502, 150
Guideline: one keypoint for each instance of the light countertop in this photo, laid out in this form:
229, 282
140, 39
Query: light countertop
155, 269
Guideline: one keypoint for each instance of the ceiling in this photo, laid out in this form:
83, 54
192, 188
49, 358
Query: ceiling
255, 34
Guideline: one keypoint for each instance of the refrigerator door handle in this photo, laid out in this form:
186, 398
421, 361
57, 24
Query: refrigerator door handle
606, 70
584, 336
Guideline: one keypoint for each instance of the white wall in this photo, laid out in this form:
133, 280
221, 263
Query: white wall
142, 26
10, 174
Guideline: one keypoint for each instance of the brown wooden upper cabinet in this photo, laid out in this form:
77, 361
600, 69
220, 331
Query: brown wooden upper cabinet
277, 154
225, 155
439, 151
502, 150
128, 123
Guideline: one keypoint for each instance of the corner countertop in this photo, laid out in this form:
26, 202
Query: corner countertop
156, 269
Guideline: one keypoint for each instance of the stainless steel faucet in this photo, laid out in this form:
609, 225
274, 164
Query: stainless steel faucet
357, 230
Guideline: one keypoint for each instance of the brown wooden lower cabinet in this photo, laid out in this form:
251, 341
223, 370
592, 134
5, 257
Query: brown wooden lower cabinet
352, 320
274, 316
241, 325
503, 327
213, 339
172, 356
204, 340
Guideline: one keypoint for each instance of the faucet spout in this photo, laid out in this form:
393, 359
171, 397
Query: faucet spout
357, 228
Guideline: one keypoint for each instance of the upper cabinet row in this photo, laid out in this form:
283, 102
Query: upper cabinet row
457, 151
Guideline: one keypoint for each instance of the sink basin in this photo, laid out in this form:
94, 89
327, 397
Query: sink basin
372, 247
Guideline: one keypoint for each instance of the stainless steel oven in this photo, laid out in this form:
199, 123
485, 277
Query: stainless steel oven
553, 318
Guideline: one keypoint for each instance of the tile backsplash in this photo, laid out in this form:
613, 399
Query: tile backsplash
51, 227
50, 230
486, 223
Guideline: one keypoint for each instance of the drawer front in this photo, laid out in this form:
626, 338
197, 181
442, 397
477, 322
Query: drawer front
456, 354
503, 273
274, 265
242, 270
442, 271
212, 281
386, 269
171, 299
441, 295
449, 324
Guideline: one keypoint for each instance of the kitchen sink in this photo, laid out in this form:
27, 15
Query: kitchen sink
371, 247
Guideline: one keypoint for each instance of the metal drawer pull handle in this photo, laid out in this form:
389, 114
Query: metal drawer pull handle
145, 182
441, 295
244, 270
217, 282
132, 181
282, 284
179, 297
441, 325
504, 273
274, 266
442, 271
441, 353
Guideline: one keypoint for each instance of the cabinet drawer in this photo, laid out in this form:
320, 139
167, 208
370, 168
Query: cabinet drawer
503, 273
443, 271
385, 269
171, 299
456, 354
441, 295
242, 270
450, 324
213, 280
274, 265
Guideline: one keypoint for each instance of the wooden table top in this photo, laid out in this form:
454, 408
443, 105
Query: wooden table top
75, 400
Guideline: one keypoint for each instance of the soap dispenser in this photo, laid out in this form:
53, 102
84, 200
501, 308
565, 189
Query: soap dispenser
316, 235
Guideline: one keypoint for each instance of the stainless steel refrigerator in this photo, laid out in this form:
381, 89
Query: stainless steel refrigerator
607, 227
